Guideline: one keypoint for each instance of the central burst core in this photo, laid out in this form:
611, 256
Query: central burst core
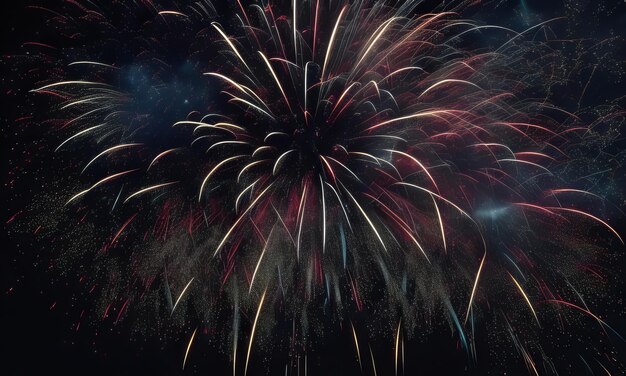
306, 142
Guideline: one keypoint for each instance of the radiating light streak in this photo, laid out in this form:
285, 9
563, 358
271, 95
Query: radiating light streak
93, 63
261, 149
345, 168
280, 87
471, 301
162, 154
403, 225
148, 189
378, 34
119, 232
414, 116
521, 290
399, 71
235, 336
323, 215
256, 268
343, 207
213, 170
356, 344
592, 217
230, 44
330, 169
438, 196
602, 323
229, 142
193, 335
416, 162
84, 131
447, 81
525, 162
367, 218
63, 83
89, 100
271, 134
236, 99
249, 166
317, 8
373, 361
371, 157
119, 194
280, 159
300, 219
241, 217
331, 41
397, 347
295, 30
108, 178
441, 227
171, 12
243, 88
256, 319
249, 187
107, 151
280, 218
182, 293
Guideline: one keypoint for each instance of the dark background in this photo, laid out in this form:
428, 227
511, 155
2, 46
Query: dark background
37, 338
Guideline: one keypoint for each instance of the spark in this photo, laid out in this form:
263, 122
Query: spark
64, 83
471, 301
160, 155
107, 179
240, 219
256, 268
332, 40
93, 63
300, 219
279, 159
413, 116
356, 344
193, 335
521, 290
280, 87
256, 319
369, 221
107, 151
230, 44
592, 217
84, 131
381, 30
213, 170
182, 293
148, 189
171, 12
397, 347
373, 361
447, 81
323, 215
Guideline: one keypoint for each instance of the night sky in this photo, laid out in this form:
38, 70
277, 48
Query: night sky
60, 270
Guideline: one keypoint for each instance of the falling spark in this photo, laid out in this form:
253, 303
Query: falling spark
256, 319
521, 290
193, 335
356, 344
397, 347
471, 301
181, 294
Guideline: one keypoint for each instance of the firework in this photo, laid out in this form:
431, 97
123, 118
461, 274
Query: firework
312, 162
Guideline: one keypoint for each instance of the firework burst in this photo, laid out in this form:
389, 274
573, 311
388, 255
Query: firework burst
321, 164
